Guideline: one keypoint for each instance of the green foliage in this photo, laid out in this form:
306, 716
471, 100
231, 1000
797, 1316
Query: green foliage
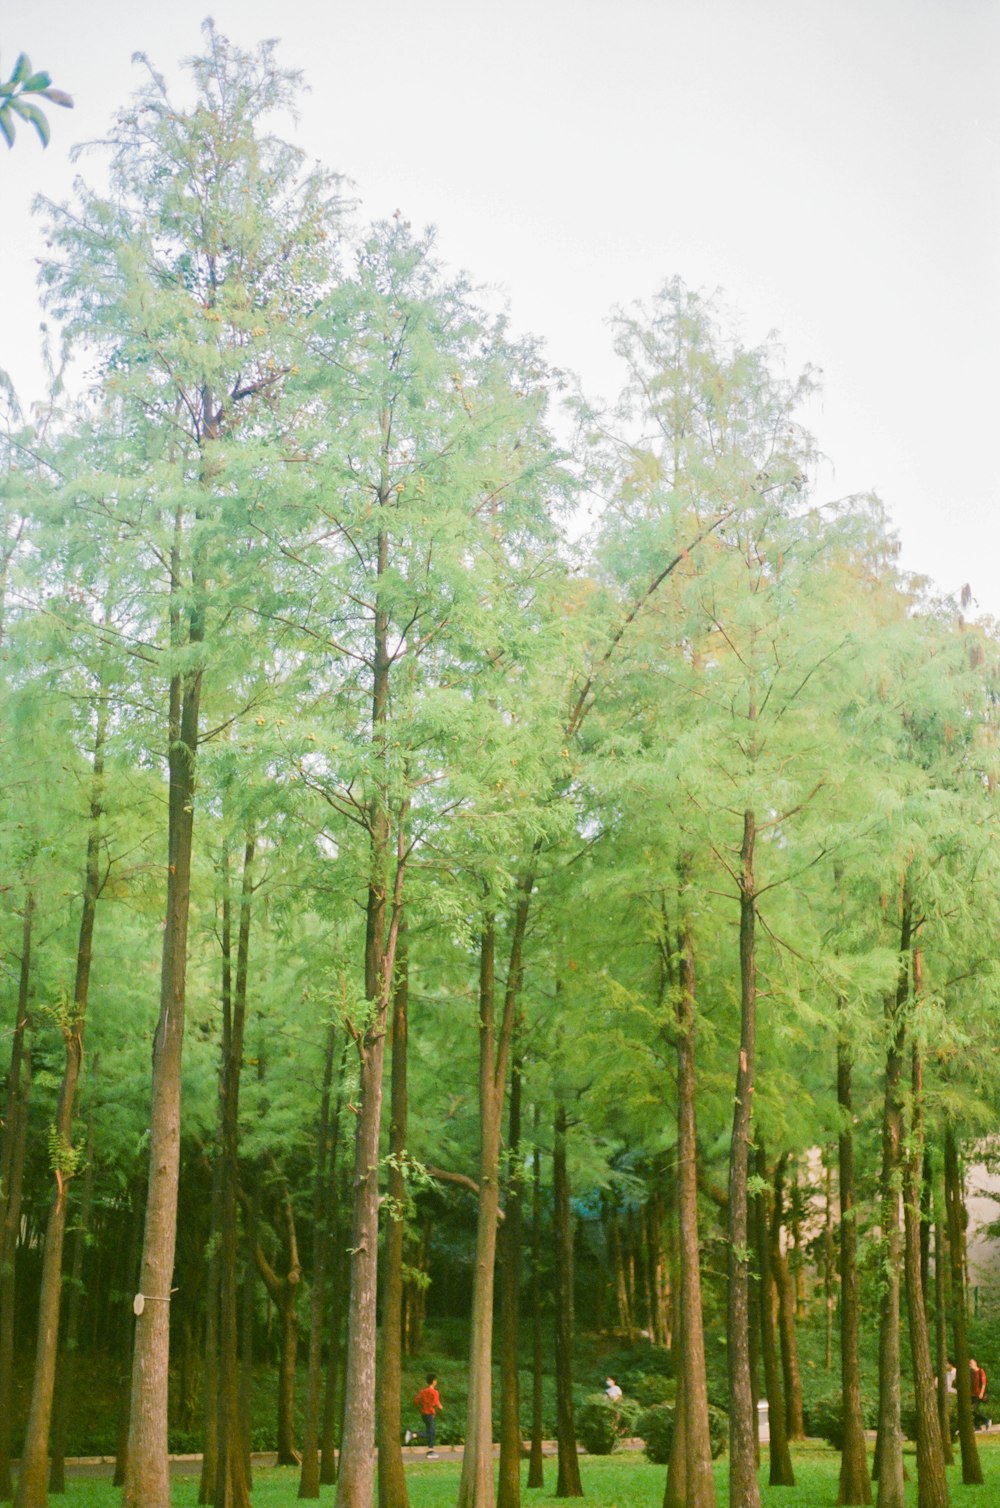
18, 98
630, 1365
824, 1418
601, 1423
655, 1426
651, 1387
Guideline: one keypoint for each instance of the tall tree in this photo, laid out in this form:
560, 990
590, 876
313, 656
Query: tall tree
191, 279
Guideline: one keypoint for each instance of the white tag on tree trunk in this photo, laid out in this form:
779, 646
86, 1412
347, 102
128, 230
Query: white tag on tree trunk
138, 1303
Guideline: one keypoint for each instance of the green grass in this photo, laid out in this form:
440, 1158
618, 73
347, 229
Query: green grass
625, 1480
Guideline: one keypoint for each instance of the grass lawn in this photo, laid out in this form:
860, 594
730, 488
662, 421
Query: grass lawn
625, 1480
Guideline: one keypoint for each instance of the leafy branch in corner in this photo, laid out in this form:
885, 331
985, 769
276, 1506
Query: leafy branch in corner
19, 96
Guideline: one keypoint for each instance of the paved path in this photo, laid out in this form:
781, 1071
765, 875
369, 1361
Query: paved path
181, 1466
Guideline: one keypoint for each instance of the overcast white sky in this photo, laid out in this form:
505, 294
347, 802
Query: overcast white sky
830, 165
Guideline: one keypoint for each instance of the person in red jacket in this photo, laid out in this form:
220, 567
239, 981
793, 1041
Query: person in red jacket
428, 1401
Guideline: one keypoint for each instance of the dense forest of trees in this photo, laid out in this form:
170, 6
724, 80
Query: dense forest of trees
416, 911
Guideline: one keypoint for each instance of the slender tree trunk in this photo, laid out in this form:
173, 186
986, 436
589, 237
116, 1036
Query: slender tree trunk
511, 1444
855, 1484
284, 1293
696, 1489
663, 1329
754, 1323
309, 1475
328, 1451
648, 1242
568, 1484
744, 1489
972, 1470
781, 1473
66, 1374
785, 1286
941, 1336
328, 1462
230, 1481
392, 1490
147, 1473
32, 1481
828, 1299
288, 1454
536, 1470
476, 1485
889, 1447
356, 1485
246, 1323
210, 1390
126, 1343
926, 1224
618, 1268
12, 1149
629, 1270
932, 1487
675, 1492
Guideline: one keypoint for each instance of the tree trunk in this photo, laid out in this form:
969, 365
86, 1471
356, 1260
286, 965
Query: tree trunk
392, 1491
511, 1444
972, 1470
568, 1484
476, 1485
246, 1324
66, 1375
32, 1481
288, 1454
828, 1300
126, 1343
618, 1268
926, 1223
147, 1472
536, 1470
337, 1259
941, 1336
328, 1462
781, 1473
284, 1294
675, 1492
889, 1446
309, 1476
855, 1484
744, 1489
15, 1135
785, 1286
932, 1487
230, 1481
355, 1488
696, 1487
210, 1391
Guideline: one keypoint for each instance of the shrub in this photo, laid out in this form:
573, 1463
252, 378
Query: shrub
638, 1361
629, 1410
651, 1387
598, 1424
824, 1418
656, 1429
718, 1431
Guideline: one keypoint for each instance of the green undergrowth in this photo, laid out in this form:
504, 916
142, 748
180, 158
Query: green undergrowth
620, 1481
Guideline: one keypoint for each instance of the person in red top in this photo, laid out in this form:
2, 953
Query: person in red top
428, 1401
